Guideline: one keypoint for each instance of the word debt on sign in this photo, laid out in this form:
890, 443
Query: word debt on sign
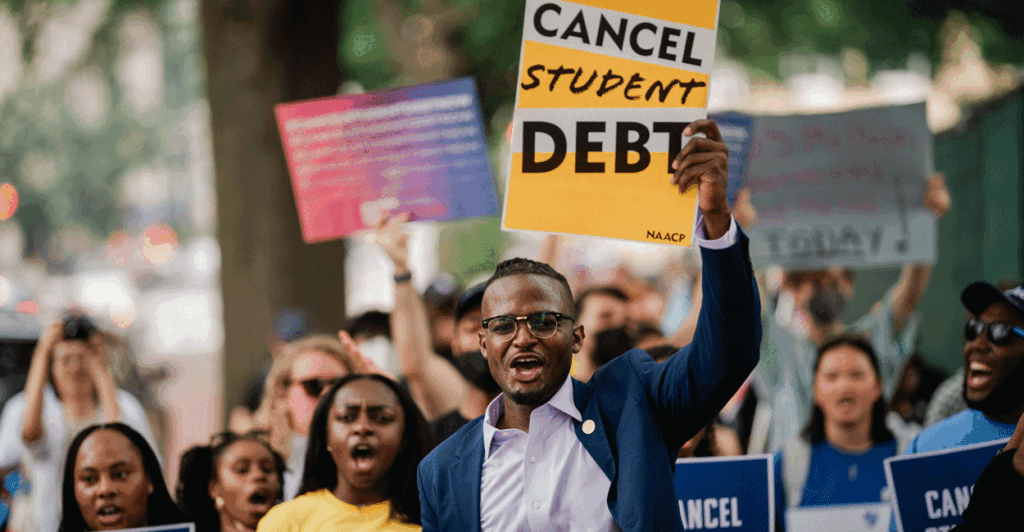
735, 493
606, 89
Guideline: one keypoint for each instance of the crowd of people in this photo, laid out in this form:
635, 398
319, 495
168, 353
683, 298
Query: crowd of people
483, 428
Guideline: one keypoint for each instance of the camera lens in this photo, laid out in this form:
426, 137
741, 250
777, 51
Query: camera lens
77, 327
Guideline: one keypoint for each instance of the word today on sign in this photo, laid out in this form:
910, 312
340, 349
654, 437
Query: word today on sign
606, 89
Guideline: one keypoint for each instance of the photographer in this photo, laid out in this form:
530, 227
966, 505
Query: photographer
69, 387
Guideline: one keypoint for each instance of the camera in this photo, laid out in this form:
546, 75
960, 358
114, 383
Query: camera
77, 326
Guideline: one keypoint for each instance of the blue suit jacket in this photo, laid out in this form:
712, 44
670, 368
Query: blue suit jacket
643, 411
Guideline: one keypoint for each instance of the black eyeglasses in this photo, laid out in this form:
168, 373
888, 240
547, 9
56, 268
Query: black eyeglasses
541, 325
314, 387
999, 332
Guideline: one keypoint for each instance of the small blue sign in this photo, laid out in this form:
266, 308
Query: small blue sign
734, 492
931, 490
179, 527
736, 132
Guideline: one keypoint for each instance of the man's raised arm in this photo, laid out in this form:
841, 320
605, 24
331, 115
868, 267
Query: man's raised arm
693, 385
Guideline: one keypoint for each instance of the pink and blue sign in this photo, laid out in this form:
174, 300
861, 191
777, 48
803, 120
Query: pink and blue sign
354, 159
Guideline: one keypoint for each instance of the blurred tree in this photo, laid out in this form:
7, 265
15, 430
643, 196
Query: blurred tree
260, 53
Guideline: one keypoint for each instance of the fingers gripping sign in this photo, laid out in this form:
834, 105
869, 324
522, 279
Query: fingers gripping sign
704, 162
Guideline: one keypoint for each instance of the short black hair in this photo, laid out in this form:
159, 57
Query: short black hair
815, 429
604, 290
521, 266
321, 472
369, 325
199, 467
160, 508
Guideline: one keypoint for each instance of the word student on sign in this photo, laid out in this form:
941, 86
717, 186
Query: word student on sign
554, 453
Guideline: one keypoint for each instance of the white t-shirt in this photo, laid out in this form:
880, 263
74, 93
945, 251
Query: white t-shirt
43, 462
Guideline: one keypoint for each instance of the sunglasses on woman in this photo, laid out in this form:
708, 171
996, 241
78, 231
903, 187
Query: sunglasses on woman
999, 332
314, 387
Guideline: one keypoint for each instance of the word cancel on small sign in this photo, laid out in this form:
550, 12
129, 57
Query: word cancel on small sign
606, 89
931, 490
734, 493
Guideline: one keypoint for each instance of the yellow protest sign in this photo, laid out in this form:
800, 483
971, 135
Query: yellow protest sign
606, 88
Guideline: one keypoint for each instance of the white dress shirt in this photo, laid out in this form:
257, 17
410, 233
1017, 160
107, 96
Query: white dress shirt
545, 479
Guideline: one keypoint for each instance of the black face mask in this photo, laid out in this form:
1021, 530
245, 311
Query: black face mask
473, 367
444, 352
610, 344
825, 305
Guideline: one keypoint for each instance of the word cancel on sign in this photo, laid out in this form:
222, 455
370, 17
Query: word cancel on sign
710, 514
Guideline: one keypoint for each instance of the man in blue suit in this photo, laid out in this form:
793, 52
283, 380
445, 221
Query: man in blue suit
554, 453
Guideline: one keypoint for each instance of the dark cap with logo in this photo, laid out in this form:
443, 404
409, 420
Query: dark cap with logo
980, 295
470, 300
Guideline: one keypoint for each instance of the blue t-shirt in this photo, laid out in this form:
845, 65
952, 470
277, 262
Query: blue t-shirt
966, 428
837, 477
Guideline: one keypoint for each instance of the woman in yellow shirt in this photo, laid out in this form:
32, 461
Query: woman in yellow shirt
366, 439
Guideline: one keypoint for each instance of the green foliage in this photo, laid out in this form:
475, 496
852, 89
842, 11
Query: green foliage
361, 48
87, 162
887, 31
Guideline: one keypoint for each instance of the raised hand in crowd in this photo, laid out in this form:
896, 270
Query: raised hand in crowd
230, 484
112, 481
363, 363
704, 162
433, 382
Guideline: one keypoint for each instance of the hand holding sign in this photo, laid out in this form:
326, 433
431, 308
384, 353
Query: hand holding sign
936, 195
389, 236
705, 162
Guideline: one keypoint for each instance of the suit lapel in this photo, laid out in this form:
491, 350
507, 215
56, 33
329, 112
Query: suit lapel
468, 470
596, 442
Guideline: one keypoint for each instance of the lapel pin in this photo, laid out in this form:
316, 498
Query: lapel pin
588, 426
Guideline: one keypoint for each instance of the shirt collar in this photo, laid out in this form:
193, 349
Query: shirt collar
562, 401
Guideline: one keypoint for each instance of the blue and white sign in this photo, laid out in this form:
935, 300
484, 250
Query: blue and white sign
873, 517
930, 490
736, 133
180, 527
734, 492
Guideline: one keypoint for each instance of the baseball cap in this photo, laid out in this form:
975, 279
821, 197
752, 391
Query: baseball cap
980, 295
470, 300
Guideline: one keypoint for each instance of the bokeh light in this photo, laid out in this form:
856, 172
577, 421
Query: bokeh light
158, 244
8, 200
6, 290
28, 307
